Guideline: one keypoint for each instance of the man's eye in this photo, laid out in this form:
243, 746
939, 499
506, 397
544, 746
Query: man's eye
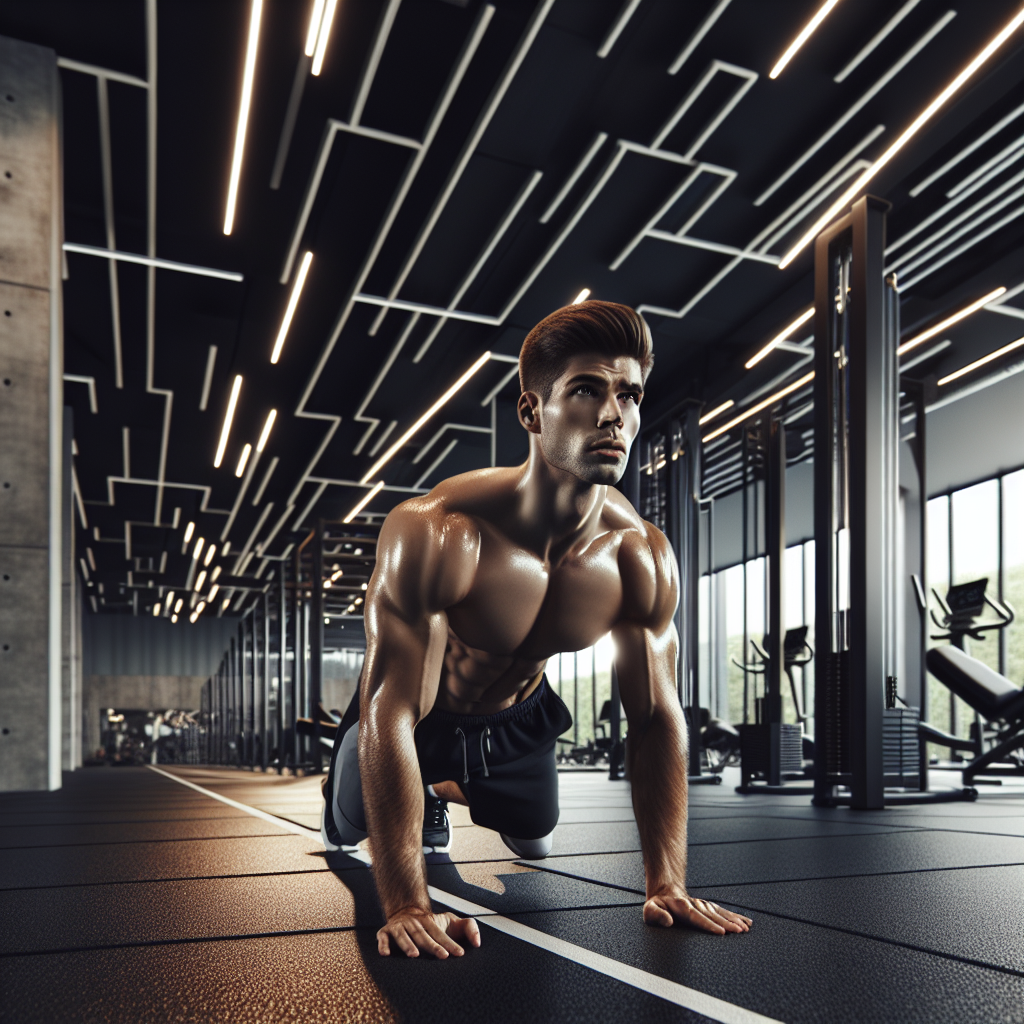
630, 396
584, 389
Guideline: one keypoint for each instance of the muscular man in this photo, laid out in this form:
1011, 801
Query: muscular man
476, 585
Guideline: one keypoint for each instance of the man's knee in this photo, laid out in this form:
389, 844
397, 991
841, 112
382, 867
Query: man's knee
529, 849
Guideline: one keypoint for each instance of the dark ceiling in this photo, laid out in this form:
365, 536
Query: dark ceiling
534, 96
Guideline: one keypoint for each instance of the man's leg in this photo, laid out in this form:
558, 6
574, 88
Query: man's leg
529, 849
346, 825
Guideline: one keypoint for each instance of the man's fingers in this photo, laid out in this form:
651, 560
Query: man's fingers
464, 928
701, 920
441, 945
383, 947
656, 914
716, 914
403, 941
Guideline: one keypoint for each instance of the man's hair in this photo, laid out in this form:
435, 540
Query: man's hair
608, 328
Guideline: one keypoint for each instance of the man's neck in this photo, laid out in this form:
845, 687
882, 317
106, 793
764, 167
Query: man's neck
554, 509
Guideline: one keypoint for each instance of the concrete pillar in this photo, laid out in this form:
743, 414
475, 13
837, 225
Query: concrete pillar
31, 429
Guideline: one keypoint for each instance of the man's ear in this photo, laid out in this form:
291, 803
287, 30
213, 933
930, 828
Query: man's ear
529, 411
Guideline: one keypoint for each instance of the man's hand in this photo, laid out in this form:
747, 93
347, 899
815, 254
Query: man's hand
412, 930
665, 911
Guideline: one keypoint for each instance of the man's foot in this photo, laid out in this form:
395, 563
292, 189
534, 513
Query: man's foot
437, 826
328, 830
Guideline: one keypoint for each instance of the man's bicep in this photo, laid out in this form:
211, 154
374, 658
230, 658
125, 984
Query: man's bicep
645, 663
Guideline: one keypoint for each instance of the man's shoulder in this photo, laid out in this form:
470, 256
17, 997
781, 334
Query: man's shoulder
456, 506
646, 563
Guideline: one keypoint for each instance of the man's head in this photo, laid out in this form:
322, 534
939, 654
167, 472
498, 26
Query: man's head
582, 372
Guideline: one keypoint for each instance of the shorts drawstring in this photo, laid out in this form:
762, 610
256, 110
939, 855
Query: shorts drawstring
485, 736
465, 757
486, 733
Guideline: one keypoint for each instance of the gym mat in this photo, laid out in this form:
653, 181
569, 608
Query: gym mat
797, 972
135, 832
973, 913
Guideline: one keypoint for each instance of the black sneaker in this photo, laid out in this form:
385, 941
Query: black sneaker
437, 826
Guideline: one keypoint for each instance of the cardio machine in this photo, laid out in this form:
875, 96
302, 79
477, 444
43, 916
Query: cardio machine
997, 733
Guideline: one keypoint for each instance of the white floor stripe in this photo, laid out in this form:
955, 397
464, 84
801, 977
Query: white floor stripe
671, 991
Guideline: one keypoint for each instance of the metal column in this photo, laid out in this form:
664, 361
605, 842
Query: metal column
316, 636
282, 665
265, 687
775, 540
855, 502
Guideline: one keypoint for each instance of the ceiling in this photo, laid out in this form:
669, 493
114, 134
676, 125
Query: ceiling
466, 187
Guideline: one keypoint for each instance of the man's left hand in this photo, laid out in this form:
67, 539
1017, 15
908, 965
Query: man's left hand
665, 911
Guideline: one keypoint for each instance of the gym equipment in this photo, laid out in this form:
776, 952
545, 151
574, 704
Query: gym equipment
999, 746
756, 749
998, 704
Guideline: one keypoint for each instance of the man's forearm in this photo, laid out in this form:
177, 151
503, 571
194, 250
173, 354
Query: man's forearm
393, 800
657, 769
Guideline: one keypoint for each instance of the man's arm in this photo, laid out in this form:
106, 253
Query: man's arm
646, 646
423, 566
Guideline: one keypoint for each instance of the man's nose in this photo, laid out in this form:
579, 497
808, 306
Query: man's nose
609, 413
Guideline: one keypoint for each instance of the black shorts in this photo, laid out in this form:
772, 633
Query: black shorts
504, 763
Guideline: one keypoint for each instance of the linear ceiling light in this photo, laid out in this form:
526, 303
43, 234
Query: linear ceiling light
582, 297
174, 618
213, 592
916, 125
805, 34
210, 552
243, 459
314, 26
364, 501
229, 415
169, 600
198, 550
188, 532
389, 454
243, 113
215, 573
156, 610
293, 301
970, 367
325, 33
783, 335
754, 409
960, 314
178, 604
267, 427
718, 410
200, 581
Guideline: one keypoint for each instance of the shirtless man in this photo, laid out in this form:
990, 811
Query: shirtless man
476, 585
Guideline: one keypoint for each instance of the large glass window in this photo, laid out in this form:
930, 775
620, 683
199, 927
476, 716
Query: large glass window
1013, 573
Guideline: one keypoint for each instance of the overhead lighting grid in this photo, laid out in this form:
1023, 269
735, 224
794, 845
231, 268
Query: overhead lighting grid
983, 361
916, 125
244, 104
805, 33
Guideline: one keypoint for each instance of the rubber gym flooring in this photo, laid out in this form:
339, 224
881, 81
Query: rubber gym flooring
131, 897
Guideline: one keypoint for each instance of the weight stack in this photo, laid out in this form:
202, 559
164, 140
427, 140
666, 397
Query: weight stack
755, 745
901, 747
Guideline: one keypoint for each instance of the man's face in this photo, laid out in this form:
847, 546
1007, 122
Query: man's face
592, 417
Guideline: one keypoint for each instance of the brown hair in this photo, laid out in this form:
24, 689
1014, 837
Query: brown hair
594, 326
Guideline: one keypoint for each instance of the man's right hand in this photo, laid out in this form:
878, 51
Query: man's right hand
412, 930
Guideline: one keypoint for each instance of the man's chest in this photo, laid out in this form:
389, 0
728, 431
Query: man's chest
522, 607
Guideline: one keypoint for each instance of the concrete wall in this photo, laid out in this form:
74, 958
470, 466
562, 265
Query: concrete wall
31, 432
977, 437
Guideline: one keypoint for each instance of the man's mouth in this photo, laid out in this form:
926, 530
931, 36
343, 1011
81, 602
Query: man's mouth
614, 448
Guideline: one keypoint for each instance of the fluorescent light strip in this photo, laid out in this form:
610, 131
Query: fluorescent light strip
981, 362
293, 301
717, 411
877, 38
156, 610
267, 427
189, 530
229, 415
389, 454
210, 552
959, 315
198, 549
582, 297
314, 26
200, 580
805, 34
753, 410
916, 125
364, 501
783, 335
325, 33
243, 113
243, 459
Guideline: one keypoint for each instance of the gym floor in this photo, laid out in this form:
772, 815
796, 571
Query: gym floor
129, 896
